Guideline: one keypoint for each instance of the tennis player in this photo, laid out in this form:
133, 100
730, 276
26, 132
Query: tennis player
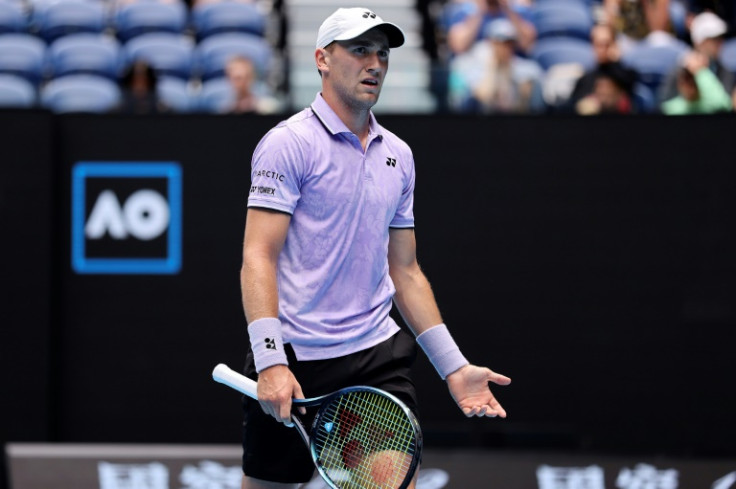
329, 244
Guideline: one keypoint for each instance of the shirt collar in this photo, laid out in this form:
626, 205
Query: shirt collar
332, 122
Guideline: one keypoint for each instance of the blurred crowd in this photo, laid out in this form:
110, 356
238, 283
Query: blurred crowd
488, 56
587, 57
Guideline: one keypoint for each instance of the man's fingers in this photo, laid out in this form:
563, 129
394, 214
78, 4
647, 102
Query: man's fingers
498, 378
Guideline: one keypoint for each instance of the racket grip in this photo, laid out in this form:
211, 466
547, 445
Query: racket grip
225, 375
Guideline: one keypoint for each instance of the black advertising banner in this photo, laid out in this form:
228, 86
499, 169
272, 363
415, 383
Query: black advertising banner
591, 260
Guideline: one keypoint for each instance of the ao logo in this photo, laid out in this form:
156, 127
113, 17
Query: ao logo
145, 215
126, 217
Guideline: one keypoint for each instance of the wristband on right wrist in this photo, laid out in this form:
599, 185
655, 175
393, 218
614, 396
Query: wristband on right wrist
267, 343
441, 350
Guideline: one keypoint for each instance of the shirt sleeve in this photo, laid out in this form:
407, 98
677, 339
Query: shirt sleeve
276, 172
712, 94
404, 217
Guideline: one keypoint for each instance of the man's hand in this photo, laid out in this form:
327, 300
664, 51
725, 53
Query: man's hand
469, 388
277, 386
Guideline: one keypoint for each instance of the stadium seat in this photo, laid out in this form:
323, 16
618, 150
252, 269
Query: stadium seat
216, 96
227, 16
96, 54
174, 94
16, 92
81, 93
728, 55
558, 50
645, 100
66, 17
169, 54
143, 17
213, 53
563, 18
12, 17
23, 55
653, 63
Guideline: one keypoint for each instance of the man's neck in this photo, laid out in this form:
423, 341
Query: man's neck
357, 120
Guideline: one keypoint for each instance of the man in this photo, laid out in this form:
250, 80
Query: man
329, 242
494, 78
707, 32
609, 76
241, 73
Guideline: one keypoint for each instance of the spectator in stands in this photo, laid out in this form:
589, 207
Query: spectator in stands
494, 79
706, 32
700, 91
607, 97
470, 19
242, 75
639, 21
608, 76
139, 90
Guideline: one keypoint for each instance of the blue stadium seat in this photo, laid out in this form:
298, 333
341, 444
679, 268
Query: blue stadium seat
16, 92
728, 55
145, 16
563, 18
81, 93
213, 53
216, 96
653, 63
557, 50
66, 17
645, 101
174, 94
227, 16
23, 55
169, 54
12, 17
96, 54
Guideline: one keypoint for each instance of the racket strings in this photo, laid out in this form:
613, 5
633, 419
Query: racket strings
367, 436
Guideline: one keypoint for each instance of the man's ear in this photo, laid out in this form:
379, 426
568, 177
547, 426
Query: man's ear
321, 57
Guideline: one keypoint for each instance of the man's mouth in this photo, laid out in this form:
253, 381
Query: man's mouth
370, 82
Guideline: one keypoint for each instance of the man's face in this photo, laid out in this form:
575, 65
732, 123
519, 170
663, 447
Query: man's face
608, 94
356, 68
602, 41
241, 75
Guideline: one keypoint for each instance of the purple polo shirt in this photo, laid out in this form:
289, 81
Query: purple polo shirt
335, 292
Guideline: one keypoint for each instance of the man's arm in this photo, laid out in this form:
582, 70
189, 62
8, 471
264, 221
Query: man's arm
265, 233
416, 303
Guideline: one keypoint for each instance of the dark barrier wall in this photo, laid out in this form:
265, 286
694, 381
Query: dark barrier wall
26, 194
592, 260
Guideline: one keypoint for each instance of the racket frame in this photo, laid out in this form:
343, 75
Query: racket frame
225, 375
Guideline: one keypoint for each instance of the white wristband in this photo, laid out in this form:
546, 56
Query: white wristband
266, 343
441, 350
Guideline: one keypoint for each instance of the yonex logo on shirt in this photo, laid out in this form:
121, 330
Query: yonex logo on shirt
262, 190
390, 161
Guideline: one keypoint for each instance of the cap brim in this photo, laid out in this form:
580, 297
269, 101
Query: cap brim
393, 32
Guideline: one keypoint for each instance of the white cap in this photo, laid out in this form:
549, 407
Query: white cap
706, 26
349, 23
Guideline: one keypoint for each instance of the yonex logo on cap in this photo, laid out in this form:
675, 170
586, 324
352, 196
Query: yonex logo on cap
369, 14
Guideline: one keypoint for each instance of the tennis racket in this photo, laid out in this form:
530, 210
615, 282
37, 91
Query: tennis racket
360, 438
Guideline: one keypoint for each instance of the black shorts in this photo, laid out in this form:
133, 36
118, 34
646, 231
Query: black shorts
273, 452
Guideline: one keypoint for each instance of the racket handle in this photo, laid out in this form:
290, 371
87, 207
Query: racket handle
225, 375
